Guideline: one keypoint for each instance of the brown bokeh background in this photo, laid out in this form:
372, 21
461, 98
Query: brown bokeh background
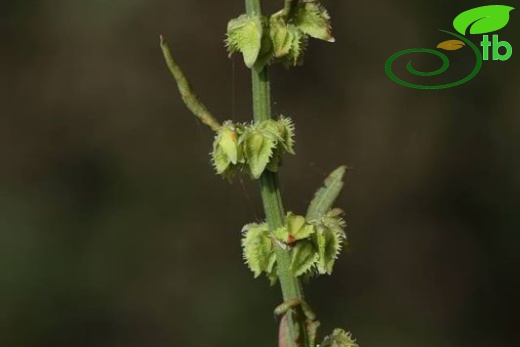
114, 231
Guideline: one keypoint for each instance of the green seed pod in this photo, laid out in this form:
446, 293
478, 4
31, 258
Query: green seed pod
281, 36
314, 20
257, 248
244, 34
258, 149
226, 151
303, 257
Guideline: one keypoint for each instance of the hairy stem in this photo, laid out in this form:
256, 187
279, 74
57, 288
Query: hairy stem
272, 199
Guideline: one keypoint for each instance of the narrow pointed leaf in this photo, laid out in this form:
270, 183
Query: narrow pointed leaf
326, 195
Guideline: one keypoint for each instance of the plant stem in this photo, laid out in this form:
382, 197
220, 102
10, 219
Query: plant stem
271, 197
191, 100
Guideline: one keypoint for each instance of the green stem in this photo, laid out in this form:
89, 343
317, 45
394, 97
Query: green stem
272, 199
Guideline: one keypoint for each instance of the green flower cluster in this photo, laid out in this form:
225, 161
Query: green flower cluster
314, 244
252, 147
282, 37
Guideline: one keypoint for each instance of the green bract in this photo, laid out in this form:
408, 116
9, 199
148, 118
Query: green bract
254, 147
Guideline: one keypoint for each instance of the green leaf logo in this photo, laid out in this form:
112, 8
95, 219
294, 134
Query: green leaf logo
482, 20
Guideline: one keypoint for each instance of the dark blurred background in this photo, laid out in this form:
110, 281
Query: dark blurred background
114, 231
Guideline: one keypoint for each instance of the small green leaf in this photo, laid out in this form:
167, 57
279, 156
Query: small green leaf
313, 19
339, 338
303, 257
244, 34
257, 248
482, 20
326, 195
258, 149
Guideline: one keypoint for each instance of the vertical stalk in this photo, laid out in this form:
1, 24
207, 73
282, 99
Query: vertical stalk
271, 197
